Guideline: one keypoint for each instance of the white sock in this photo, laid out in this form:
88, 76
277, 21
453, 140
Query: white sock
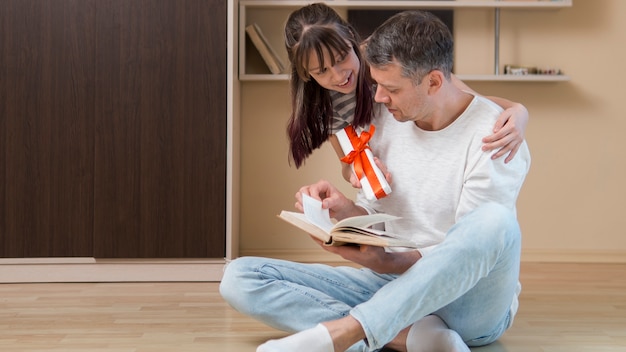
431, 334
316, 339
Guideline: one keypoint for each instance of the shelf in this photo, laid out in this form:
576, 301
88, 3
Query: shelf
263, 77
514, 78
443, 4
465, 78
251, 69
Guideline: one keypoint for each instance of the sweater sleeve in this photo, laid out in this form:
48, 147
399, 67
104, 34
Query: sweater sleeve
488, 180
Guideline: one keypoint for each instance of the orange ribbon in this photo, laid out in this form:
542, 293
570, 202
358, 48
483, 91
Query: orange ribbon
362, 164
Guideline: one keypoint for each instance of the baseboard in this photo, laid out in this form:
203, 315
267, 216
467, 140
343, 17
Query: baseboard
297, 255
22, 270
574, 256
528, 255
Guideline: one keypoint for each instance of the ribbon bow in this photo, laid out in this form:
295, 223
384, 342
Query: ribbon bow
359, 159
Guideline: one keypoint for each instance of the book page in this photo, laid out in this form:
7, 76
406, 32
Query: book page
299, 220
315, 214
321, 217
365, 221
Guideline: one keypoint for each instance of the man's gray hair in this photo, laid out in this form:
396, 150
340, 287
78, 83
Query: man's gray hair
417, 40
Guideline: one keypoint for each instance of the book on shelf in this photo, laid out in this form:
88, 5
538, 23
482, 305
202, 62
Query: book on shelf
354, 230
268, 53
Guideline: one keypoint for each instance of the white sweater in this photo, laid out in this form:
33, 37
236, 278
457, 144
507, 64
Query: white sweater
439, 176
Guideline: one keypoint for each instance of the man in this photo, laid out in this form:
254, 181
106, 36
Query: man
446, 189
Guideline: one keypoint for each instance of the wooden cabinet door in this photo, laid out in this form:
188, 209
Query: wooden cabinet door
113, 128
160, 140
47, 86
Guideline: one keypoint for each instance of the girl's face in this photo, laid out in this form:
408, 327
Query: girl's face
342, 77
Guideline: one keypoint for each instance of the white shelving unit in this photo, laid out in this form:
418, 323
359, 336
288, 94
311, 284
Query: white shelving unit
256, 10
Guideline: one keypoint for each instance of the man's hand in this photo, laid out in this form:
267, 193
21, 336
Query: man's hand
375, 258
332, 199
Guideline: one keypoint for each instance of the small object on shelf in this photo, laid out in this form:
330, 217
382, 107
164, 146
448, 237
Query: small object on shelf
270, 57
518, 70
549, 71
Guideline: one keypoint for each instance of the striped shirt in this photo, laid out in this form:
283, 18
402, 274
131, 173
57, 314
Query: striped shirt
343, 110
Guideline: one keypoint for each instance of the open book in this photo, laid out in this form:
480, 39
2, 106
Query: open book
354, 230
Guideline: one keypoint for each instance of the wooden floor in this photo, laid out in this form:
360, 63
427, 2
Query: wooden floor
564, 307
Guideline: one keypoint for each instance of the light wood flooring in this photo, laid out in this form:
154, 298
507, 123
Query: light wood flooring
564, 307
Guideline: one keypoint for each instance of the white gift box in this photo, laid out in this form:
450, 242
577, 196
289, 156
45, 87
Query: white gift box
373, 182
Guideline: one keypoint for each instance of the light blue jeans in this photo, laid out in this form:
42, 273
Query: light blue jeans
469, 281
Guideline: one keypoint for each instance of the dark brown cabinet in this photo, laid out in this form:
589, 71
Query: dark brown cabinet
113, 128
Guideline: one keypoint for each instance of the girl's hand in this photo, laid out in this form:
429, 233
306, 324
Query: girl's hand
508, 132
354, 181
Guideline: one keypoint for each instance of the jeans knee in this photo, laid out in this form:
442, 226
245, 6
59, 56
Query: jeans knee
497, 218
493, 226
233, 281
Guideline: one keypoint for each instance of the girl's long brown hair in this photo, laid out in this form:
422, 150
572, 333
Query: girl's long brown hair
315, 28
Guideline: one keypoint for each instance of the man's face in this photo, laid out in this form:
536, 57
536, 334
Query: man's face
405, 100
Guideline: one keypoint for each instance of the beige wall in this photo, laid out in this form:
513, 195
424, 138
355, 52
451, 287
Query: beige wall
572, 205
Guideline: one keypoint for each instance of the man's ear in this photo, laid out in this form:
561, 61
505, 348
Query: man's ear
435, 80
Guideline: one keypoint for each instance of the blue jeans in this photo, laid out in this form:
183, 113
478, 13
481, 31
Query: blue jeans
468, 280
